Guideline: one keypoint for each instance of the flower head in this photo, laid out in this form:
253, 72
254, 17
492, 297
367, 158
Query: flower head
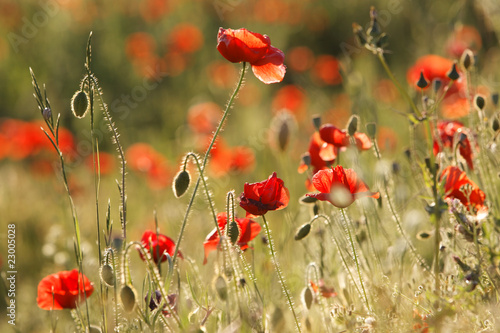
340, 187
270, 194
458, 186
340, 138
242, 45
447, 131
248, 230
158, 247
60, 290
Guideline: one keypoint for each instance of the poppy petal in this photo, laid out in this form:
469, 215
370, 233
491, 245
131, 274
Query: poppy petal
270, 69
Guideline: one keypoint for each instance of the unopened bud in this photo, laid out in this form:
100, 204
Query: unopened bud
221, 287
436, 84
307, 200
234, 232
306, 159
181, 183
107, 275
453, 73
494, 98
317, 122
283, 135
303, 231
80, 104
371, 129
479, 102
422, 82
467, 59
352, 126
127, 297
307, 297
495, 124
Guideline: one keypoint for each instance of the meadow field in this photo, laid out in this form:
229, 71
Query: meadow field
249, 166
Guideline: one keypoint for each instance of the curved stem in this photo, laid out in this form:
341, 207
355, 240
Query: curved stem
278, 271
205, 160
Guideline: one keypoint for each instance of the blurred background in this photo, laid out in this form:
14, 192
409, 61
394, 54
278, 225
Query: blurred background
166, 85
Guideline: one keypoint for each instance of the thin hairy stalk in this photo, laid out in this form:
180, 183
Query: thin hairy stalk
313, 267
355, 257
205, 160
395, 217
205, 187
280, 276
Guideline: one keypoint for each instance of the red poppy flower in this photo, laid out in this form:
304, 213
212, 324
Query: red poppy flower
158, 247
270, 194
248, 229
145, 159
434, 67
340, 138
242, 45
185, 38
340, 187
464, 37
327, 70
459, 186
325, 291
322, 154
226, 159
447, 131
60, 290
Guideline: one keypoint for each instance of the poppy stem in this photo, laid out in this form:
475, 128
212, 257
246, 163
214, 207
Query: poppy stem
278, 271
205, 160
355, 257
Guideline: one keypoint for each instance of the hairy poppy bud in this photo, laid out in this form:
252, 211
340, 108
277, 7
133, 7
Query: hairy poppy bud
371, 129
181, 183
317, 122
352, 126
80, 104
307, 297
479, 102
467, 59
234, 232
221, 287
303, 231
107, 275
453, 73
495, 124
307, 200
127, 297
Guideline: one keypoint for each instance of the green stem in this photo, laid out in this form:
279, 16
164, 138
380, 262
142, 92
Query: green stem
205, 160
355, 256
278, 271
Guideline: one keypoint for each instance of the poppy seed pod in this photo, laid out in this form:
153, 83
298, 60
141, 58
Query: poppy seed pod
303, 231
127, 297
80, 104
352, 125
307, 297
371, 129
181, 183
453, 73
107, 275
422, 82
479, 102
467, 59
495, 124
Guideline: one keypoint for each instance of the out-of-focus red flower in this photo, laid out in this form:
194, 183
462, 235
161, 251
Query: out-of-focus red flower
322, 154
248, 230
434, 67
448, 131
222, 74
203, 117
340, 187
158, 246
271, 11
340, 138
385, 91
259, 198
292, 98
106, 163
63, 290
325, 291
464, 37
185, 38
175, 62
459, 186
153, 10
454, 107
327, 70
226, 159
387, 139
420, 325
140, 46
145, 159
242, 45
300, 58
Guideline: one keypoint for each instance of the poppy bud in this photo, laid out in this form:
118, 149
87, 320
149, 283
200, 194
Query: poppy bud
47, 113
494, 98
305, 199
495, 124
352, 126
127, 297
234, 232
467, 59
479, 102
422, 82
80, 104
453, 73
315, 209
107, 275
181, 183
95, 329
317, 122
307, 297
436, 84
371, 129
306, 158
303, 231
221, 287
